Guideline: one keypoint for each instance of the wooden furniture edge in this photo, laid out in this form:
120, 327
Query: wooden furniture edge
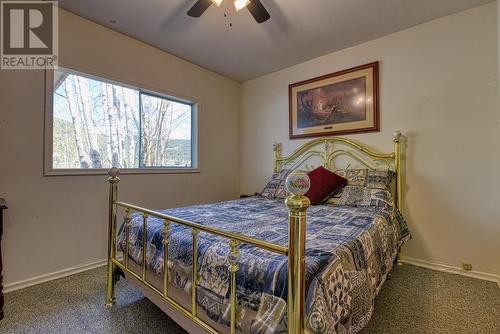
3, 206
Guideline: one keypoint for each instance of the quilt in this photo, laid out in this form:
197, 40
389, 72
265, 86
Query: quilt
349, 252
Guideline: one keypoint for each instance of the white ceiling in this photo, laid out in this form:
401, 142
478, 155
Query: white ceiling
298, 30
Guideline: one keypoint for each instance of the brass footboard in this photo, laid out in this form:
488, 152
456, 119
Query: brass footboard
295, 251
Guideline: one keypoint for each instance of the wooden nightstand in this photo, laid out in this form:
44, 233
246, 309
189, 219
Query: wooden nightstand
3, 206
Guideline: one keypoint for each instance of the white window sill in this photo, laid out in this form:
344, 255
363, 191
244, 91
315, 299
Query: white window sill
124, 171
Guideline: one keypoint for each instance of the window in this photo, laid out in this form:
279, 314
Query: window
95, 124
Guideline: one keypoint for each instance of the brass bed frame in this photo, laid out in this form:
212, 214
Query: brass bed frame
295, 251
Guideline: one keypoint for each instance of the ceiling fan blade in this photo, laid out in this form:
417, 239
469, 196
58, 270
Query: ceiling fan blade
199, 8
259, 13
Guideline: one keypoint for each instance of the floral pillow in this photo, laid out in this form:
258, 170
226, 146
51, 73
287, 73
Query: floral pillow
378, 179
362, 196
365, 188
275, 188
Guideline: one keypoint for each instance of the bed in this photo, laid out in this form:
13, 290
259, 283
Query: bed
240, 253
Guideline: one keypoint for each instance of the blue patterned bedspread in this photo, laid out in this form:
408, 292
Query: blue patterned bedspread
349, 252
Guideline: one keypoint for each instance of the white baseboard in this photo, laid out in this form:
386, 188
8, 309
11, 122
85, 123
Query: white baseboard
450, 269
52, 276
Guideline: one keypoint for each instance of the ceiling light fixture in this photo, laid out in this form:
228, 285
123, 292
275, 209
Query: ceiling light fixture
255, 7
240, 4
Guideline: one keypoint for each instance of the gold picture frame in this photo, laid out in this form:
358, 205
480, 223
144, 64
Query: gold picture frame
338, 103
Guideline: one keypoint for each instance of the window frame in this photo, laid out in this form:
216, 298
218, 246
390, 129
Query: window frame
48, 169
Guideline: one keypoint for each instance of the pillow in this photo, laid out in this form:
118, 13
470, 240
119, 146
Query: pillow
275, 188
362, 196
323, 184
365, 188
377, 179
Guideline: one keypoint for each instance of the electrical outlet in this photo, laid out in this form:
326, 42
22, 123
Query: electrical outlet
467, 266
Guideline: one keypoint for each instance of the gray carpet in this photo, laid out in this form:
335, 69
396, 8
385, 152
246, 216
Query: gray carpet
415, 300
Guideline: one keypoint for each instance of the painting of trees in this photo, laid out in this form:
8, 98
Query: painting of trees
98, 124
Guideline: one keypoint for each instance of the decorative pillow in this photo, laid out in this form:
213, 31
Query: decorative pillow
275, 188
365, 188
355, 177
362, 196
378, 179
323, 184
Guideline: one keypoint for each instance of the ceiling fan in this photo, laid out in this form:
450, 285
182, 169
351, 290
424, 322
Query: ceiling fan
255, 7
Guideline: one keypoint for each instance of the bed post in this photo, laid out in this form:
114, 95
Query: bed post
397, 167
297, 205
113, 193
277, 153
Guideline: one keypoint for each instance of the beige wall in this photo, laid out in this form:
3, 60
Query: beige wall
439, 87
54, 223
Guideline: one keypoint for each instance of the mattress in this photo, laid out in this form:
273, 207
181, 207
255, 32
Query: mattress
349, 252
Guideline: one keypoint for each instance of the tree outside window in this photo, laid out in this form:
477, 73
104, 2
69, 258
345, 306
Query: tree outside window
98, 124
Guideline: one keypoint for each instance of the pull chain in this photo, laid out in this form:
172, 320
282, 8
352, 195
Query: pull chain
227, 15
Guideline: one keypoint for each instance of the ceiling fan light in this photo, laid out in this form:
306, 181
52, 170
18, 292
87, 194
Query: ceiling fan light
240, 4
217, 2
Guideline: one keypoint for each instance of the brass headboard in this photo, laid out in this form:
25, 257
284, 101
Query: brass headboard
327, 151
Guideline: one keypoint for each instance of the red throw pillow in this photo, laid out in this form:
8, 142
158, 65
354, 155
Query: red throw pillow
323, 184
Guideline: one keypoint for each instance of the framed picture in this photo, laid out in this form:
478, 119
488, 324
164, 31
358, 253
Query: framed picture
338, 103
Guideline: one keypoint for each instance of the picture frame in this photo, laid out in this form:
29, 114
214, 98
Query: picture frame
343, 102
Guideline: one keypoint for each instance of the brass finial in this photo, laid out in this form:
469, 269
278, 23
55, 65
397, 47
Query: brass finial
396, 136
113, 172
297, 184
113, 175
